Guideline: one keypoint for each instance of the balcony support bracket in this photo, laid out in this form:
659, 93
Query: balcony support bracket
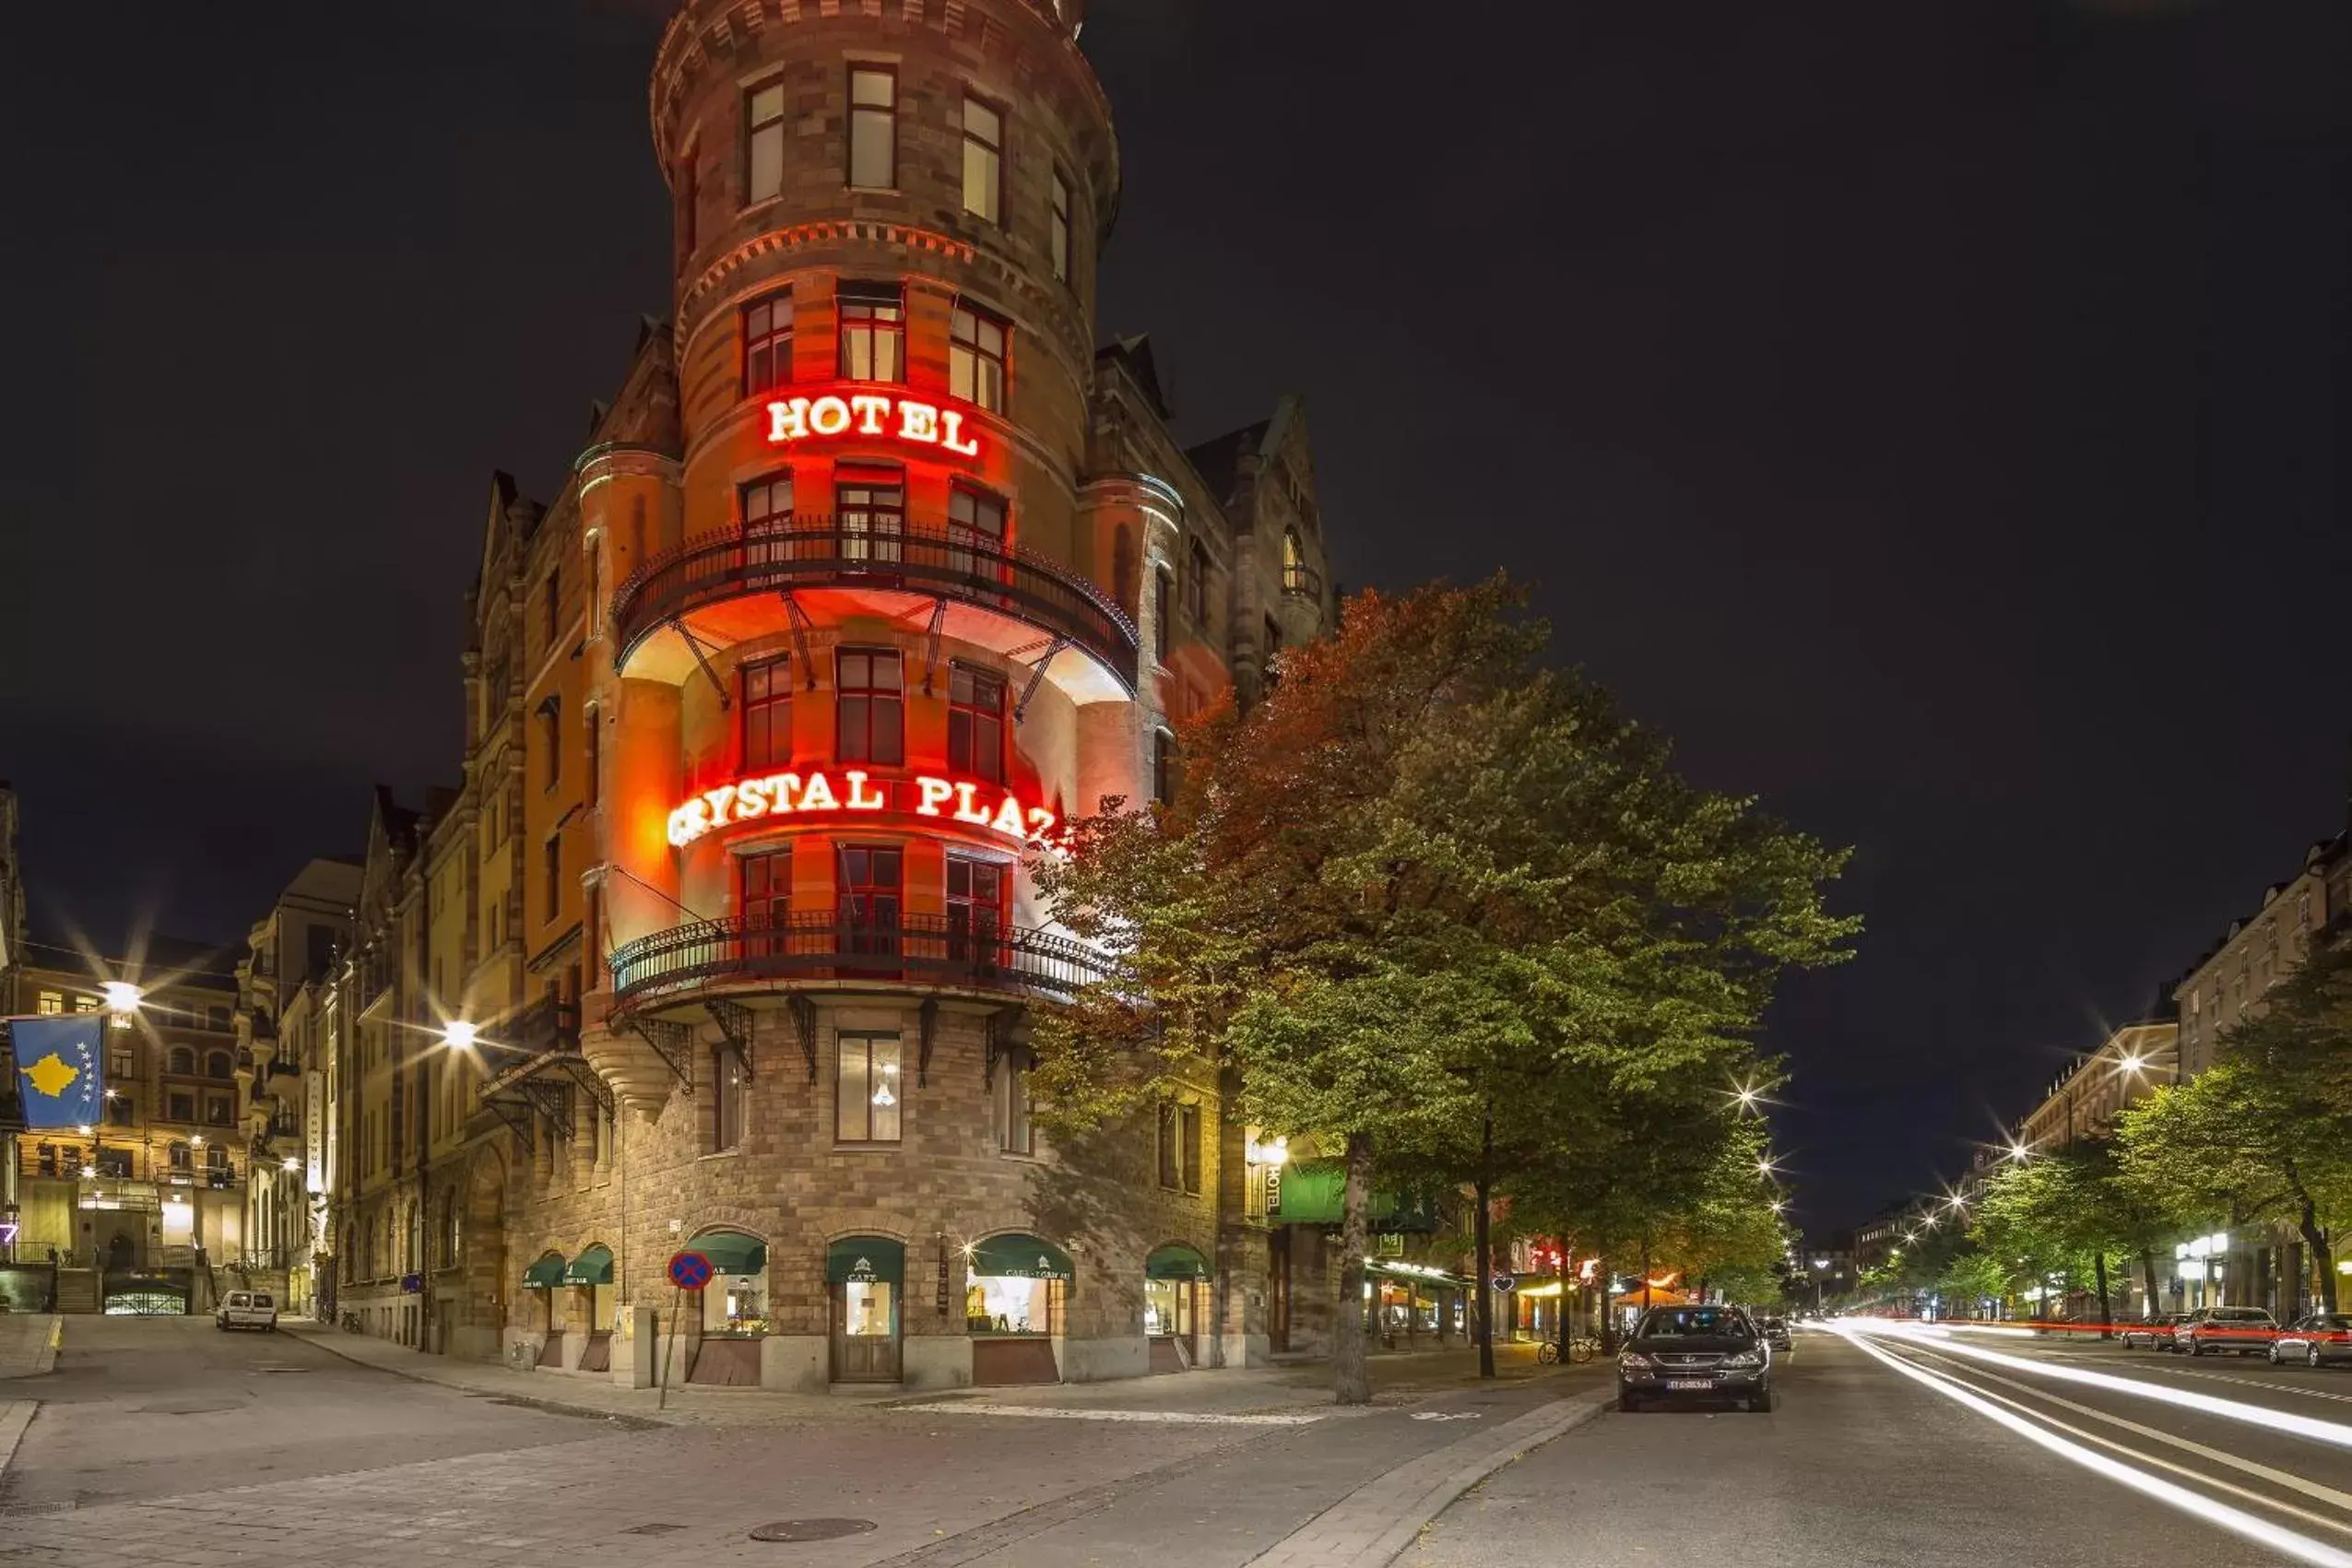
800, 625
585, 1076
804, 1022
931, 643
552, 1101
734, 1021
517, 1120
931, 1016
673, 1043
1037, 675
677, 624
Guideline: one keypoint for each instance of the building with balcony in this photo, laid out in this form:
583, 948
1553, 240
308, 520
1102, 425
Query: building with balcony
158, 1185
876, 570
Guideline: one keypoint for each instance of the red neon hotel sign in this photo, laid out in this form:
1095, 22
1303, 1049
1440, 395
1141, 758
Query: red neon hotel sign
909, 420
989, 807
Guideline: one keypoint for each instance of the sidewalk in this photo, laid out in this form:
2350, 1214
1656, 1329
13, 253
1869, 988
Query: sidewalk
1302, 1389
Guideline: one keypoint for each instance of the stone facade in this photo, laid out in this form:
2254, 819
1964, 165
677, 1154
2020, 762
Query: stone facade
873, 570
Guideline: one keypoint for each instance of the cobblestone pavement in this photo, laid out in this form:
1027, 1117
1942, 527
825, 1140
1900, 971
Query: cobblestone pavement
940, 1488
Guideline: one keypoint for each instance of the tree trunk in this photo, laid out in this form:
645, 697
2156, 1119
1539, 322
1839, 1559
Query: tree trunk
1608, 1317
1485, 1286
1353, 1369
1562, 1327
2147, 1271
2106, 1308
2315, 1236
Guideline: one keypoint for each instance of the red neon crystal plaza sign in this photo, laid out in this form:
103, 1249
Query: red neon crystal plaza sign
990, 808
910, 421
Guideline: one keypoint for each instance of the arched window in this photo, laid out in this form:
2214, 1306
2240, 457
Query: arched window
182, 1061
1294, 563
217, 1065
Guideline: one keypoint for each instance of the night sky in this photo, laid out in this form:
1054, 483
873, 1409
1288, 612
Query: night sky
1932, 415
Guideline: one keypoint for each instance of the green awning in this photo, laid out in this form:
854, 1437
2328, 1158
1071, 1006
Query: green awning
866, 1260
1314, 1195
731, 1252
593, 1266
1176, 1261
545, 1274
1416, 1274
1020, 1257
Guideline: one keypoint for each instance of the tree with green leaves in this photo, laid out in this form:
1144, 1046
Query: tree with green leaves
2261, 1135
1418, 900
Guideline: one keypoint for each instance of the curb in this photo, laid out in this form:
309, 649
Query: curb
47, 1360
1369, 1530
14, 1417
553, 1407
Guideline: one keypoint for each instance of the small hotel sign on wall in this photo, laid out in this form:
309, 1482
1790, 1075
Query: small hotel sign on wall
907, 420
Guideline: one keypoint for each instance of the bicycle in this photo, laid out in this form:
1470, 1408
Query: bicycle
1580, 1351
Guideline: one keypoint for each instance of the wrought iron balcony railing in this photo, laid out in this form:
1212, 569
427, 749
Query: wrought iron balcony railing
782, 553
1303, 582
913, 950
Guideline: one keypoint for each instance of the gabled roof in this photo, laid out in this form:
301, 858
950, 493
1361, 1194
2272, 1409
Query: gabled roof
1134, 355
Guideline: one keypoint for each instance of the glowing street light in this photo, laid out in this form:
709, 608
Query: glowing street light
2131, 1063
458, 1035
2019, 1152
122, 996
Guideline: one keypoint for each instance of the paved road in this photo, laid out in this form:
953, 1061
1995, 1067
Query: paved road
1928, 1450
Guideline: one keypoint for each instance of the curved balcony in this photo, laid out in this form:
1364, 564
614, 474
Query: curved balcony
818, 945
807, 553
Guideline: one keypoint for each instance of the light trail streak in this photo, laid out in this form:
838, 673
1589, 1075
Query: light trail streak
2236, 1521
2284, 1479
2334, 1434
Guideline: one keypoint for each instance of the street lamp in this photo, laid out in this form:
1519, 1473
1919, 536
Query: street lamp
1818, 1264
122, 996
458, 1035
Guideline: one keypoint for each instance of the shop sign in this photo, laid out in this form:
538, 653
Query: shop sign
989, 807
910, 421
862, 1273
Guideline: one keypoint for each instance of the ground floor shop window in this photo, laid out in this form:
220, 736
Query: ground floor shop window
734, 1302
1173, 1278
1015, 1284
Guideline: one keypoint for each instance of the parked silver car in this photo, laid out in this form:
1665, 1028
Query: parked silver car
2322, 1338
2246, 1330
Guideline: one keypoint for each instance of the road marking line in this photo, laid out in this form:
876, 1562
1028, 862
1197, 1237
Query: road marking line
1048, 1413
2277, 1478
2236, 1521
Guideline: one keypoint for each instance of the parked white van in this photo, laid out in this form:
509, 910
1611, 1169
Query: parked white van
248, 1309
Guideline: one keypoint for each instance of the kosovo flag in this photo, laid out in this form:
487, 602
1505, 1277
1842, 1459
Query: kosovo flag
57, 1068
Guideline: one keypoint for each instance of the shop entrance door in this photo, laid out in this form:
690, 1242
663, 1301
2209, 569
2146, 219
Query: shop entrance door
1277, 1290
865, 1331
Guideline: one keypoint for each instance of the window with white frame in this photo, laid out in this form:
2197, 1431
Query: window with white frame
975, 357
982, 159
873, 127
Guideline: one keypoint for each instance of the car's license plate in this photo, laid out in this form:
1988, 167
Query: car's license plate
1690, 1383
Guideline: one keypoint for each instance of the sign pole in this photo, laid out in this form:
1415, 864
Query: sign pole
661, 1384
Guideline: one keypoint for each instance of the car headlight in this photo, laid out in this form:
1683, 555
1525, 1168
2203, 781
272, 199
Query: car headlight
1631, 1362
1744, 1359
